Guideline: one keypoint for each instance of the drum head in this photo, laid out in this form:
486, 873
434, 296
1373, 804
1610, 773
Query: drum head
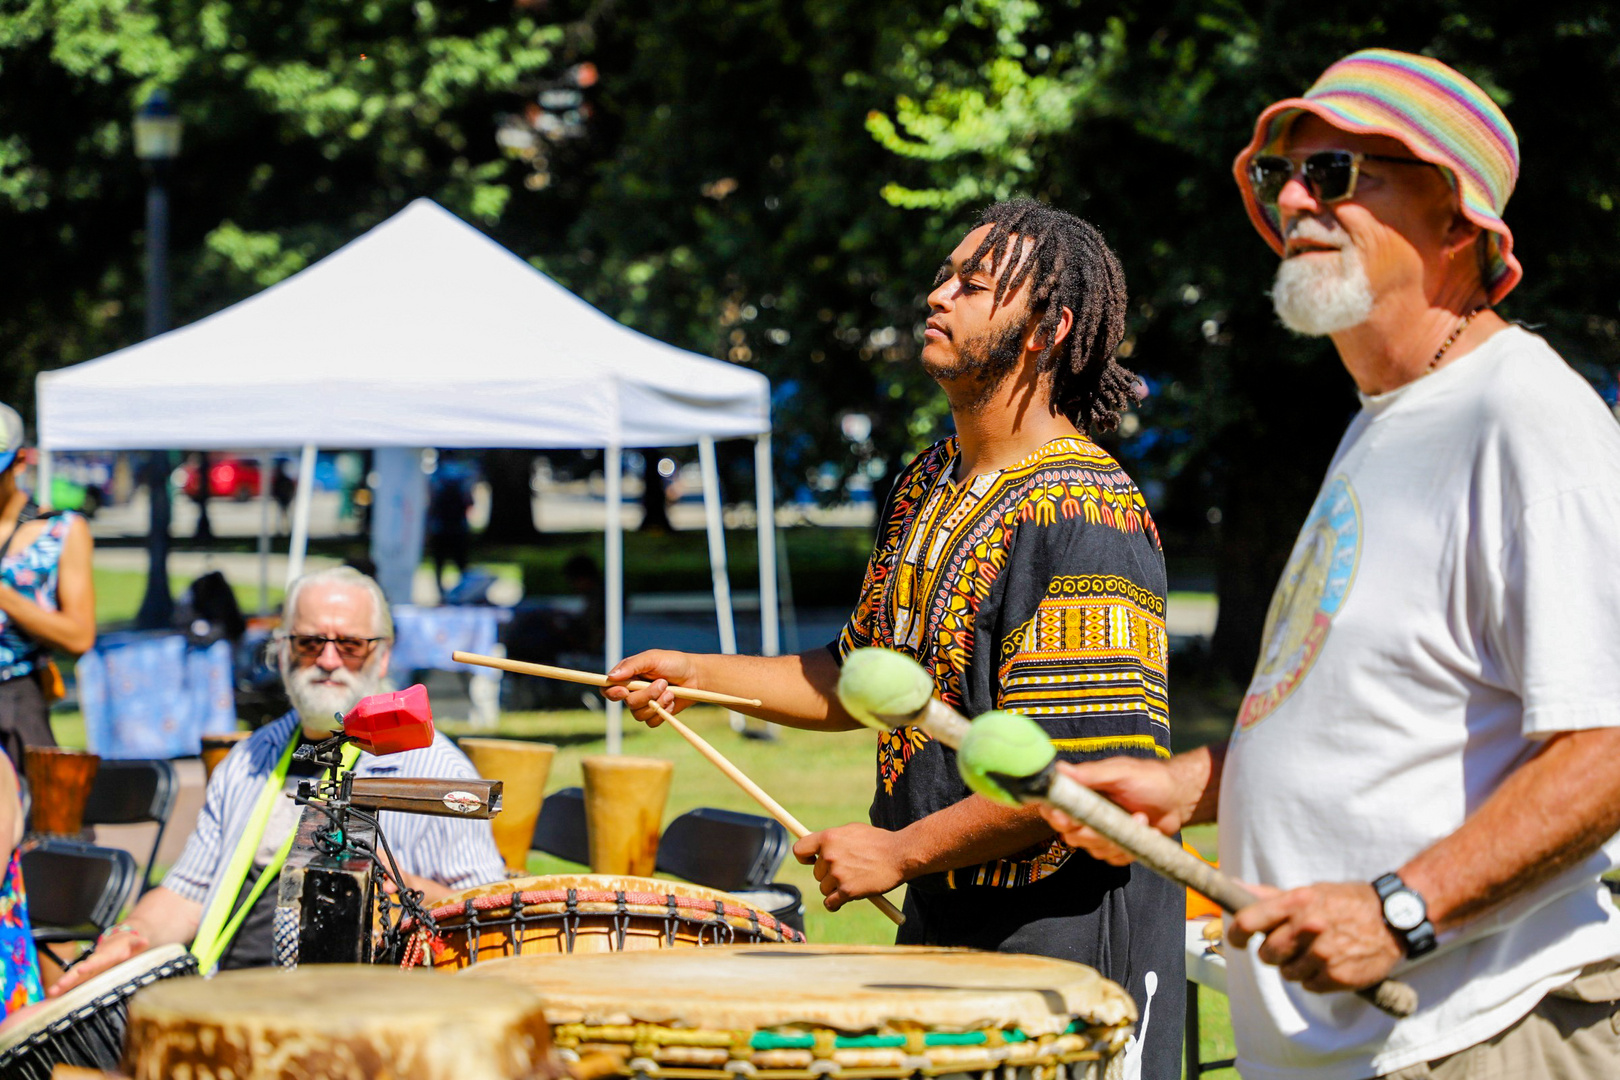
116, 982
342, 1022
848, 988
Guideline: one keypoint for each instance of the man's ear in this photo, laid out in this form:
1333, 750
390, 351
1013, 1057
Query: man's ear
1462, 237
1038, 341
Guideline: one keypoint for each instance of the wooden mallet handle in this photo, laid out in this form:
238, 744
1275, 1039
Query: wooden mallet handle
591, 678
759, 795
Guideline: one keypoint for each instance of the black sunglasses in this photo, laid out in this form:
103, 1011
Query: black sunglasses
1329, 174
309, 646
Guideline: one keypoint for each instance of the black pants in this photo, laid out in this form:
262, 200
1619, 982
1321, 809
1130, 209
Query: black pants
24, 718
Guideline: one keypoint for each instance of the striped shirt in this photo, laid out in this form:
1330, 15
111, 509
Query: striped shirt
456, 853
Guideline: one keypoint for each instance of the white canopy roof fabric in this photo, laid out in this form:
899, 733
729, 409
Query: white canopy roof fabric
422, 332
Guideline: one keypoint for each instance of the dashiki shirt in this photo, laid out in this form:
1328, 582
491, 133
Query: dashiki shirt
1039, 589
19, 964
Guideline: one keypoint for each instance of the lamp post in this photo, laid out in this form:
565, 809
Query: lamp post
157, 144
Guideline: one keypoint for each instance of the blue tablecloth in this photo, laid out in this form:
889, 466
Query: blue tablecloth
424, 637
153, 695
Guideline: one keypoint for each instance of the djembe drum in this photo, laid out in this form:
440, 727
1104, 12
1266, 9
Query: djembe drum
522, 768
624, 812
85, 1026
336, 1022
588, 913
869, 1011
59, 783
215, 747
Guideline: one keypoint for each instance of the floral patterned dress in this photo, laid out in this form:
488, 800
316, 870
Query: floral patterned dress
19, 963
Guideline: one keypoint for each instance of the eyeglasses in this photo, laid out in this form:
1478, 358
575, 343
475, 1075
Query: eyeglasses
310, 646
1329, 174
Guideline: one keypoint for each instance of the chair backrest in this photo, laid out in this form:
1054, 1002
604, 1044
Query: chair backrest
127, 792
560, 829
133, 791
75, 890
723, 849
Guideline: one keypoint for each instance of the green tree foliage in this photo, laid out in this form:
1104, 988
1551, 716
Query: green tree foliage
306, 123
1131, 113
727, 201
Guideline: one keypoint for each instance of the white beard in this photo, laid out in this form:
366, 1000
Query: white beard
322, 706
1322, 294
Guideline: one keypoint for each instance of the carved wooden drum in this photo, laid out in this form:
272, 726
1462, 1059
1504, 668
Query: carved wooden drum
774, 1013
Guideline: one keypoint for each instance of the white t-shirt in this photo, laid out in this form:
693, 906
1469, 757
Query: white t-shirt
1453, 596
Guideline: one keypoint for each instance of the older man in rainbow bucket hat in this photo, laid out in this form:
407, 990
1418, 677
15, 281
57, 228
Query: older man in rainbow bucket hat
1426, 767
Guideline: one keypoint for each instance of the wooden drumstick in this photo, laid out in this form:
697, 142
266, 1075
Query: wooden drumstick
1009, 758
591, 678
759, 795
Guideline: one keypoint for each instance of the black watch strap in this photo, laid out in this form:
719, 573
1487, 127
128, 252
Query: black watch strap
1416, 939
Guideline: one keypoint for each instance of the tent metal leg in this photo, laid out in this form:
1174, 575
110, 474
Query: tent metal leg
42, 479
265, 462
612, 471
718, 576
299, 543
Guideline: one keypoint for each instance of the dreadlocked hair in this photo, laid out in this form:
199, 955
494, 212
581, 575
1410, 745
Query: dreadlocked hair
1071, 267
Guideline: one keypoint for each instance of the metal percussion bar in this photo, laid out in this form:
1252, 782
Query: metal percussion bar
457, 798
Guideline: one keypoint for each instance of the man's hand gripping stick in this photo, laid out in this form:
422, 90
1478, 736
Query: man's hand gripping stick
1007, 757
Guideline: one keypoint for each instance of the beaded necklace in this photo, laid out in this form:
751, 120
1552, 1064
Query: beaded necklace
1455, 334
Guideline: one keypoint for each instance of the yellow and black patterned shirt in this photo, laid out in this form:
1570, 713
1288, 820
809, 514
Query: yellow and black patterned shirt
1039, 589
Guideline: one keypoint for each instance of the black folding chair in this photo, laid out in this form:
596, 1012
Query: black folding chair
75, 890
724, 849
560, 829
131, 792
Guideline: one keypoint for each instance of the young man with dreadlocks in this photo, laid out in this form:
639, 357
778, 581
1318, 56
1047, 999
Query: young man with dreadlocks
1018, 563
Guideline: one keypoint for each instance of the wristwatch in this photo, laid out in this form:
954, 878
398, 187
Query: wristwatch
1406, 914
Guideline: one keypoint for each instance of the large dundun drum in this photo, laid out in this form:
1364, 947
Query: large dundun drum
794, 1014
337, 1022
591, 913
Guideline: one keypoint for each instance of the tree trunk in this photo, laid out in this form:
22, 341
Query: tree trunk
511, 496
654, 497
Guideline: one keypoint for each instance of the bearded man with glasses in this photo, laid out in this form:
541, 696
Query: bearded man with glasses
1425, 770
219, 897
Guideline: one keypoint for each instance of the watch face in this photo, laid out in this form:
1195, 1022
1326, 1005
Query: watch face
1404, 910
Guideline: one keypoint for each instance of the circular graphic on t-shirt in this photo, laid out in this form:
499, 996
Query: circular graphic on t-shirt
1310, 594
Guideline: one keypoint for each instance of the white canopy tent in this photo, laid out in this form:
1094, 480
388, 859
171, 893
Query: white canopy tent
426, 333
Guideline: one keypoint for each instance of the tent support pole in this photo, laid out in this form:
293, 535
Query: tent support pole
765, 515
299, 542
264, 533
770, 635
42, 480
717, 555
612, 472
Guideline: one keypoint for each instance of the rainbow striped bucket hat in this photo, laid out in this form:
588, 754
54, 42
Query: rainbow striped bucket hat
1440, 115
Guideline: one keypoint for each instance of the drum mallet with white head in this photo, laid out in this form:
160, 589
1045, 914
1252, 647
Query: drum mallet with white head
1009, 758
